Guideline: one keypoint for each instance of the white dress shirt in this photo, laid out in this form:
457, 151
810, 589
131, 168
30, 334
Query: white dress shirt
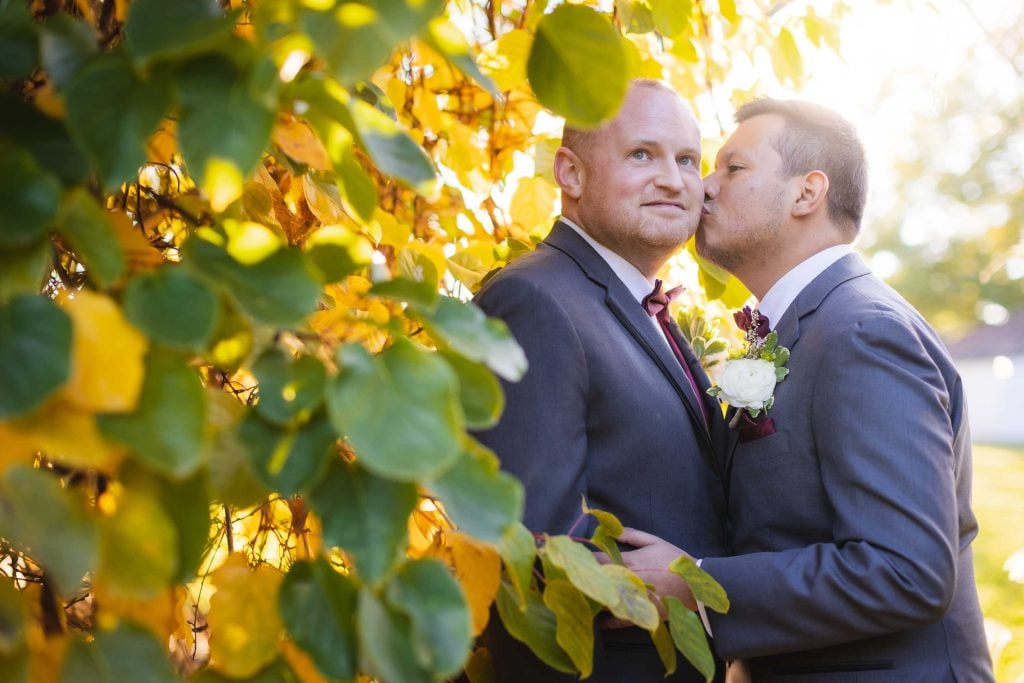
785, 291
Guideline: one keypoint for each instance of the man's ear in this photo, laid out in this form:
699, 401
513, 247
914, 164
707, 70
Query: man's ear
569, 172
813, 194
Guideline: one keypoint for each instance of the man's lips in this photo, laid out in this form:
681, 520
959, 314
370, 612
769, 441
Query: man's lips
667, 204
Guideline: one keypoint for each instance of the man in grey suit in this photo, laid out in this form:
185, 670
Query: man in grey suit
851, 521
607, 410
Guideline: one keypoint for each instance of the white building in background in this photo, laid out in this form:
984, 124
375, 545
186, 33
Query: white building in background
991, 363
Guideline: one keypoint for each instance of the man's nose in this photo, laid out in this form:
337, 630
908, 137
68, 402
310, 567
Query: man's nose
670, 177
710, 187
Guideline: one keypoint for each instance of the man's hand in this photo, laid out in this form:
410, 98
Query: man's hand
650, 562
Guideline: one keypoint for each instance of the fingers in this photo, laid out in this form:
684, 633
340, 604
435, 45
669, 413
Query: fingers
637, 538
602, 558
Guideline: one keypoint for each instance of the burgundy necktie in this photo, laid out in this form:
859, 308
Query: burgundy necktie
656, 304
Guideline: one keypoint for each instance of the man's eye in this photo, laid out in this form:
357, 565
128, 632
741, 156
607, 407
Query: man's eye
640, 154
733, 168
686, 161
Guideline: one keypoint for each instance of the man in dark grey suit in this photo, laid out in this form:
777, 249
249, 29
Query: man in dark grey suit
606, 410
851, 523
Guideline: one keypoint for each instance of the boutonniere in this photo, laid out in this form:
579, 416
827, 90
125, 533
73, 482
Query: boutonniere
748, 379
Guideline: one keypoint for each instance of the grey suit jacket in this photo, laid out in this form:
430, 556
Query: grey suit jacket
852, 523
604, 411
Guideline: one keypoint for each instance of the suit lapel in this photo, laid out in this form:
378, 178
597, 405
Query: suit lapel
634, 319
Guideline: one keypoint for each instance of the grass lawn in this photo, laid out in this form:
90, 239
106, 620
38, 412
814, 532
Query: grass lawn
999, 505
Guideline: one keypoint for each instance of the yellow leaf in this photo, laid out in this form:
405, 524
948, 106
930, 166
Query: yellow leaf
478, 569
786, 59
250, 242
424, 108
299, 142
326, 208
533, 204
62, 432
432, 252
160, 614
106, 355
163, 143
392, 231
222, 183
48, 100
138, 251
245, 629
85, 7
302, 664
472, 262
504, 60
728, 10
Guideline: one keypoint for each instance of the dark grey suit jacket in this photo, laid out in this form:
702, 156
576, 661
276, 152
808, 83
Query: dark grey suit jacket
852, 523
605, 412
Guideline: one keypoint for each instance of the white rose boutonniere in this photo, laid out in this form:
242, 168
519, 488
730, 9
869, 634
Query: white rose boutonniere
748, 380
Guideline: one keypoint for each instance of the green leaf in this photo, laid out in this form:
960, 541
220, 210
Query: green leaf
666, 649
12, 619
636, 15
582, 569
66, 44
633, 604
50, 524
395, 153
220, 117
607, 520
138, 546
318, 608
704, 587
188, 504
24, 126
577, 66
428, 593
356, 186
281, 290
671, 17
422, 294
481, 499
278, 671
480, 392
28, 198
290, 388
17, 40
289, 460
533, 626
447, 39
89, 231
111, 112
606, 543
22, 269
574, 623
232, 479
364, 514
128, 653
158, 30
35, 353
386, 643
166, 429
399, 410
518, 550
153, 303
464, 328
688, 635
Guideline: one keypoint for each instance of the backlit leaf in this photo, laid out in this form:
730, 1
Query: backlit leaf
481, 499
399, 409
577, 66
477, 567
35, 351
364, 514
394, 152
504, 60
290, 388
426, 591
317, 605
466, 330
574, 623
245, 628
289, 460
704, 587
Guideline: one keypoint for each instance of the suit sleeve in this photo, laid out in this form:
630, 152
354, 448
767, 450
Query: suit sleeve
884, 438
542, 438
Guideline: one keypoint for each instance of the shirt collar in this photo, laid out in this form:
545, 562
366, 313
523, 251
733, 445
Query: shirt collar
637, 284
789, 286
